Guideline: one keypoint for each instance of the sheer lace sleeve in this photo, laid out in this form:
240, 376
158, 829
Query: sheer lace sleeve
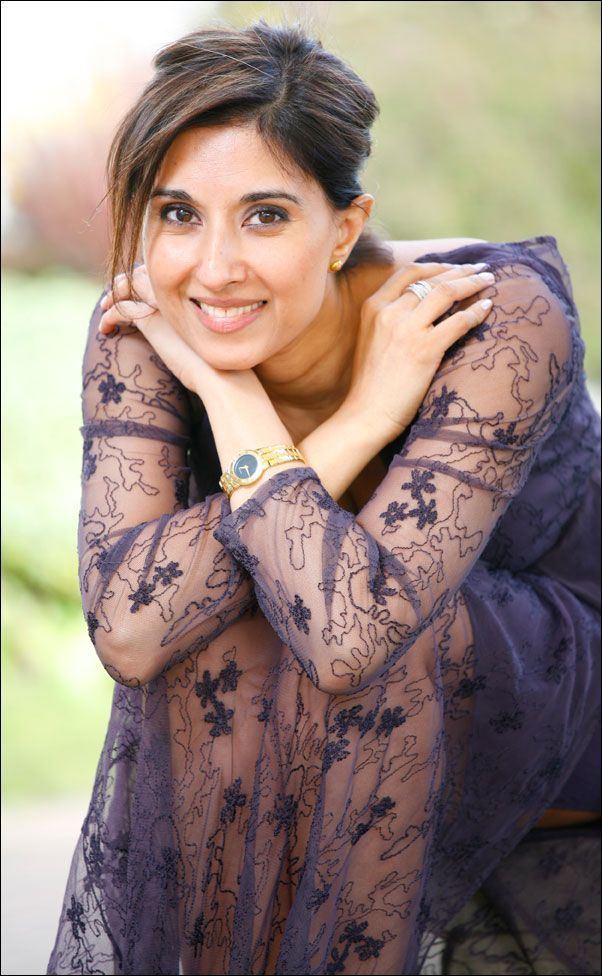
350, 594
156, 586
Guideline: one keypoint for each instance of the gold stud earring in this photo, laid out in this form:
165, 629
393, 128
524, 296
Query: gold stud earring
336, 265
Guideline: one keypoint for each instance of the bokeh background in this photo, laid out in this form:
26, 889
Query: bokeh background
489, 128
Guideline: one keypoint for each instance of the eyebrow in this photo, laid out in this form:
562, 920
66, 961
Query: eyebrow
165, 191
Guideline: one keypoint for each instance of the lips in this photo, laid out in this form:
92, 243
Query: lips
225, 311
224, 321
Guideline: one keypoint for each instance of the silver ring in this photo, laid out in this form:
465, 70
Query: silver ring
420, 288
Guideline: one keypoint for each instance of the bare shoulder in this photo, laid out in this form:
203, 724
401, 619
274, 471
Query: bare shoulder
364, 279
407, 251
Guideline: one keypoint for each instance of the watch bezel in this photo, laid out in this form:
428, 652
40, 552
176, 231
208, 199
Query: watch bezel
253, 477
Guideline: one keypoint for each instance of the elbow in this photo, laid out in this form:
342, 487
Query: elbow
343, 686
121, 663
342, 675
329, 682
125, 676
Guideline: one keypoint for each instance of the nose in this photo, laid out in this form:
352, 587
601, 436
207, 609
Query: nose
219, 261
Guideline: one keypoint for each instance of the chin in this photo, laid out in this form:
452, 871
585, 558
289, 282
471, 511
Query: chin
232, 361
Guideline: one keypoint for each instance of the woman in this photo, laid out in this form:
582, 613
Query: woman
337, 551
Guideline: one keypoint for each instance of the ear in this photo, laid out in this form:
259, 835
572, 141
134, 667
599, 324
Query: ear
351, 223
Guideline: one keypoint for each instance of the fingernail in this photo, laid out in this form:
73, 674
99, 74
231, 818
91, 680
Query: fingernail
479, 267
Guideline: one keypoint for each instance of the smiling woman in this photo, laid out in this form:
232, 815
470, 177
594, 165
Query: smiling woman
334, 725
263, 248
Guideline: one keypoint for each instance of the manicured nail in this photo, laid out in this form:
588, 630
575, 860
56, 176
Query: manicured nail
479, 267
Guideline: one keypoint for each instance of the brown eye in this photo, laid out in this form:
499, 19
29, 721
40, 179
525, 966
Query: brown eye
270, 212
178, 210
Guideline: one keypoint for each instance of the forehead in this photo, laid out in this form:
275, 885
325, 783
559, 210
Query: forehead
229, 158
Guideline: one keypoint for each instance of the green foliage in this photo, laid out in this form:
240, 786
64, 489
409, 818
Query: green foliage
56, 697
489, 123
45, 319
489, 128
55, 690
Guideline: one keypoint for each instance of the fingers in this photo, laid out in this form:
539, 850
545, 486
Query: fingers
115, 293
453, 328
119, 308
461, 271
453, 290
446, 292
121, 286
394, 287
124, 313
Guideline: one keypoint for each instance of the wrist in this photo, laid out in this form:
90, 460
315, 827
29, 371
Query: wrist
370, 433
213, 384
242, 417
340, 448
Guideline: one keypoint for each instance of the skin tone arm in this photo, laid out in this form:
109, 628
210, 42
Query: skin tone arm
237, 402
240, 411
242, 415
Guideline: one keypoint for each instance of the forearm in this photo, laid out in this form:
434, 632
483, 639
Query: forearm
295, 528
242, 415
340, 448
161, 592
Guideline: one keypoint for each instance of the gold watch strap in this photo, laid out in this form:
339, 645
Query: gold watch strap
265, 457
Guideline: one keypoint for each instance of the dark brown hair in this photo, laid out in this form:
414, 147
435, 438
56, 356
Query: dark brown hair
310, 107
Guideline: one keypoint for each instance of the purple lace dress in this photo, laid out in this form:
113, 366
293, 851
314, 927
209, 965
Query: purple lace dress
329, 730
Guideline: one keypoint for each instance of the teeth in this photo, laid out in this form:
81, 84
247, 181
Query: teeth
227, 313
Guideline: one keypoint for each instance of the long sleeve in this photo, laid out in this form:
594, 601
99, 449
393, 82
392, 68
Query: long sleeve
155, 584
350, 594
248, 816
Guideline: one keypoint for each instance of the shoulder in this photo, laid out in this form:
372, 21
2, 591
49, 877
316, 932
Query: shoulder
530, 263
364, 279
407, 251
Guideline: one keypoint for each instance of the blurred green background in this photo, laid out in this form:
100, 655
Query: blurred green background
489, 128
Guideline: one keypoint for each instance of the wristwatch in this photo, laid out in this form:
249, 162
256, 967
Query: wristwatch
250, 464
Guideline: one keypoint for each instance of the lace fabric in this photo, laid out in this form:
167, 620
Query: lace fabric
328, 730
499, 927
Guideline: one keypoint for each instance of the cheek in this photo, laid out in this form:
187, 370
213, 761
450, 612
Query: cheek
298, 276
166, 259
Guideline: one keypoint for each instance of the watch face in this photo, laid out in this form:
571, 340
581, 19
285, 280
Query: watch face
246, 467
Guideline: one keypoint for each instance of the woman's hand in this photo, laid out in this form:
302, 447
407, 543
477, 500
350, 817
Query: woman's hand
399, 350
119, 308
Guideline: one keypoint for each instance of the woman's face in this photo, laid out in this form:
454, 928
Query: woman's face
216, 245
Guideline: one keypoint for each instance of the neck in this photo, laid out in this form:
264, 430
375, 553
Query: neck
308, 381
